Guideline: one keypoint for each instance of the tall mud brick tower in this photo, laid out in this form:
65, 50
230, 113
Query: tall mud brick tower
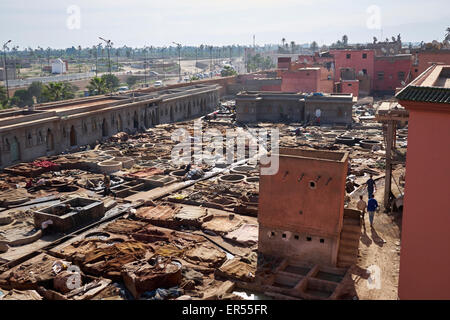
301, 207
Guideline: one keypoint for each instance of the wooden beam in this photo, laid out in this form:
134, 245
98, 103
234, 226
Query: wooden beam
388, 170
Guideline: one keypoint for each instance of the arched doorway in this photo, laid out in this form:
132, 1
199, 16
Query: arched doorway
146, 118
119, 123
135, 120
104, 128
49, 140
73, 136
171, 114
15, 149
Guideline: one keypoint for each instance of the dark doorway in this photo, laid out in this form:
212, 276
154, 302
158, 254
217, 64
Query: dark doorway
119, 124
49, 140
73, 136
104, 128
15, 150
135, 120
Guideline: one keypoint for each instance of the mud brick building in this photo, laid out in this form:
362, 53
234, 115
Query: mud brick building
301, 208
51, 128
254, 106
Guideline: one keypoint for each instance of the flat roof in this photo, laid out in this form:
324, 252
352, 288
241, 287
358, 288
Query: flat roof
81, 104
334, 156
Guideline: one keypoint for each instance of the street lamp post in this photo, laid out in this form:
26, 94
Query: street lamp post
179, 60
210, 60
108, 46
196, 58
5, 69
164, 69
16, 72
145, 64
97, 47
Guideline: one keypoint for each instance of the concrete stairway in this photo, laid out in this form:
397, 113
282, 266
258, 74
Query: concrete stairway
350, 235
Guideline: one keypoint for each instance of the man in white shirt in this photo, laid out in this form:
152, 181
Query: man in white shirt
361, 205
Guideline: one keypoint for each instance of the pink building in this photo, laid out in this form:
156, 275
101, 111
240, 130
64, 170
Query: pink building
361, 61
425, 245
301, 80
350, 86
391, 72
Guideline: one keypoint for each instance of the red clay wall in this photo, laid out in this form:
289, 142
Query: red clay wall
391, 66
426, 58
425, 245
282, 196
355, 62
350, 86
284, 62
301, 81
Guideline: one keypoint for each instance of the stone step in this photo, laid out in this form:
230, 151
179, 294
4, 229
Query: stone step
344, 260
349, 243
349, 251
352, 228
353, 222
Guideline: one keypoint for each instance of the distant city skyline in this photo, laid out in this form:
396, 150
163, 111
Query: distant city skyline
136, 23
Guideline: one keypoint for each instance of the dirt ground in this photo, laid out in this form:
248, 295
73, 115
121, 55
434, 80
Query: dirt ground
379, 247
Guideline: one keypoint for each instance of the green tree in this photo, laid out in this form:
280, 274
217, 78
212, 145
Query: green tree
56, 91
344, 40
22, 98
97, 86
3, 99
131, 81
35, 90
314, 46
111, 82
293, 46
228, 71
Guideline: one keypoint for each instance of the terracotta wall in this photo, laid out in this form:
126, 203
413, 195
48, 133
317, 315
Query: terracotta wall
350, 86
425, 59
295, 199
425, 244
391, 66
356, 61
306, 80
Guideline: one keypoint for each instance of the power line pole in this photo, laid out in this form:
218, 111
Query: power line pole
5, 69
179, 60
145, 64
210, 60
108, 46
196, 58
164, 69
96, 59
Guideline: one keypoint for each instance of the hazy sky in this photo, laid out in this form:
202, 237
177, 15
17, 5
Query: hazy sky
217, 22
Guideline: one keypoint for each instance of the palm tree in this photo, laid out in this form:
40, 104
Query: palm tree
79, 59
447, 35
97, 86
314, 46
292, 46
2, 95
283, 41
344, 40
55, 91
